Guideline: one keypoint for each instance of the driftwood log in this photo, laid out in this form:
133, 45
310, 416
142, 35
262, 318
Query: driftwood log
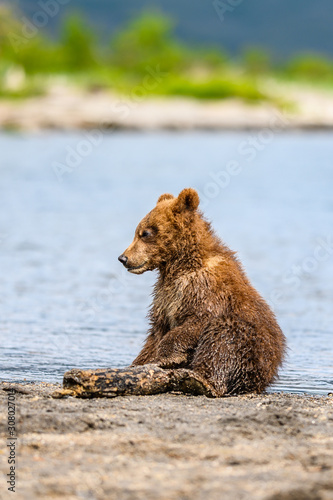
133, 381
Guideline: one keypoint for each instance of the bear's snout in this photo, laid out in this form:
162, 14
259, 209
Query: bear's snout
123, 259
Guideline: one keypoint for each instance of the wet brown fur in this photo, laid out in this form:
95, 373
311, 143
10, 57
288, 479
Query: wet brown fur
205, 315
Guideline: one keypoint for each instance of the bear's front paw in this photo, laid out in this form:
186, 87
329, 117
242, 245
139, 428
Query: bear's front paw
172, 362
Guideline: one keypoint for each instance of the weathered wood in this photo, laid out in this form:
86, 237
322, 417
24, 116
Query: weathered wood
136, 380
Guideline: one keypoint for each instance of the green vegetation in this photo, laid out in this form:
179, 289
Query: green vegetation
143, 57
310, 67
213, 88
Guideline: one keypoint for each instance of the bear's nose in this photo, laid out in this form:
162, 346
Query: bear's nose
123, 259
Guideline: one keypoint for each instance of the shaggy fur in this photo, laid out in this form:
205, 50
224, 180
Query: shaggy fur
205, 315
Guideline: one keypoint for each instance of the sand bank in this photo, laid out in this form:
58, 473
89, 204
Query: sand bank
70, 108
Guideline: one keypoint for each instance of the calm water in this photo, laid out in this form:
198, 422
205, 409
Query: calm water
66, 302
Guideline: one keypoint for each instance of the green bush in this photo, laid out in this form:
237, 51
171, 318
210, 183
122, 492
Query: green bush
213, 89
9, 26
147, 41
310, 67
38, 56
77, 49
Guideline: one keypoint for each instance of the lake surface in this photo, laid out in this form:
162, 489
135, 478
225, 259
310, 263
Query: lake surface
65, 300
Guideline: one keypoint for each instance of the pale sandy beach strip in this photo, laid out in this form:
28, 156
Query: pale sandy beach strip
68, 108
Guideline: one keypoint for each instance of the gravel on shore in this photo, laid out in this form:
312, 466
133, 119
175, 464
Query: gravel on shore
170, 446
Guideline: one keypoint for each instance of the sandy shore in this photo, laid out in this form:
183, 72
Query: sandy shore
66, 107
274, 446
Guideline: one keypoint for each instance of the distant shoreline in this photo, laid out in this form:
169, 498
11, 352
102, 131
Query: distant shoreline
66, 108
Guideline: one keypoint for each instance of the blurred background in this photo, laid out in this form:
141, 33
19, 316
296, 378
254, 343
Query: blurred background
104, 105
207, 50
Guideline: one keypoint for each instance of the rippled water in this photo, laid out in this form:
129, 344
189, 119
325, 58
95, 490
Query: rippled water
66, 302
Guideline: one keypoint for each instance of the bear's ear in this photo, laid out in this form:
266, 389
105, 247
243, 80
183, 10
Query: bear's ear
165, 196
188, 199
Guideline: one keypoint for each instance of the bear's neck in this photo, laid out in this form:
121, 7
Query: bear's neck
192, 251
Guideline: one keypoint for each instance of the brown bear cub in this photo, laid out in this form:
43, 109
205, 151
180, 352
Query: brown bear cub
205, 316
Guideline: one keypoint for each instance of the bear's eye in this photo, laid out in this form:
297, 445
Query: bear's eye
145, 234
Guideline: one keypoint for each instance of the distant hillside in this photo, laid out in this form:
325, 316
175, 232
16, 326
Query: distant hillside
283, 27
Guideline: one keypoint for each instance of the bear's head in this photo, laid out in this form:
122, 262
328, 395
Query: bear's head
163, 234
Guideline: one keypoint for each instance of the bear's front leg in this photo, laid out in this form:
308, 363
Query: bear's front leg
176, 347
148, 352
